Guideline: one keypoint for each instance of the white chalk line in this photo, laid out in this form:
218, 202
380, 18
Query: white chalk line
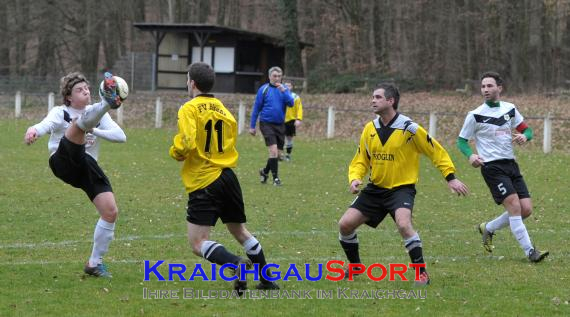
299, 260
67, 243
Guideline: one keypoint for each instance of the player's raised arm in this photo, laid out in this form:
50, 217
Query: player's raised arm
48, 124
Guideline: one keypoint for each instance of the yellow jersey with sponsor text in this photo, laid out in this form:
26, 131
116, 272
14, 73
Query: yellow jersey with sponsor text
392, 153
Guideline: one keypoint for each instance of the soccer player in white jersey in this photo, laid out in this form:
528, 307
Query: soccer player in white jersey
490, 125
75, 129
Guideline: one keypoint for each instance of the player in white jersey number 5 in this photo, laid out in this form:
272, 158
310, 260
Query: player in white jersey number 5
491, 125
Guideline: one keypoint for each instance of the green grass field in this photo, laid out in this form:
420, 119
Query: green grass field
47, 227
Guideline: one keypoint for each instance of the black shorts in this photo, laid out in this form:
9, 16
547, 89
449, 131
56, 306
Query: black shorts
375, 202
504, 178
290, 129
273, 133
221, 199
72, 165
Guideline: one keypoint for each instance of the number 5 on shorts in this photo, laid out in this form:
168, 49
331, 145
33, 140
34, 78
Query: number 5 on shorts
502, 188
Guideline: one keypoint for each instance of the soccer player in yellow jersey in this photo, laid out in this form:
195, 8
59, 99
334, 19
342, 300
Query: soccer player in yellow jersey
205, 142
293, 120
389, 148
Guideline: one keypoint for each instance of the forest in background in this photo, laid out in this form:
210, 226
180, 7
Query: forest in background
421, 44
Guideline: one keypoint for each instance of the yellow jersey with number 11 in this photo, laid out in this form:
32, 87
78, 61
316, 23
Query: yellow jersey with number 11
206, 140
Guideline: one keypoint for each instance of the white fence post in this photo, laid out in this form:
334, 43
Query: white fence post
132, 88
241, 117
158, 115
51, 101
330, 123
547, 140
120, 115
18, 104
432, 124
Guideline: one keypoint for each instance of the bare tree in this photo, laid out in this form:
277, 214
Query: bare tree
48, 24
439, 42
293, 64
5, 44
20, 28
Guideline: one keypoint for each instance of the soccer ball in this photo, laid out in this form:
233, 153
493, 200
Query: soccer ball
122, 88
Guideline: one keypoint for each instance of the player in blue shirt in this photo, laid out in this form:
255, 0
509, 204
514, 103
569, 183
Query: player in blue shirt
270, 104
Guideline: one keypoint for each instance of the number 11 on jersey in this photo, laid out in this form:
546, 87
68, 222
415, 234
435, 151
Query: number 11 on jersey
218, 126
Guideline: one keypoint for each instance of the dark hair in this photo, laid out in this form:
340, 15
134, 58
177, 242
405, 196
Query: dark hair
203, 76
67, 82
493, 75
390, 91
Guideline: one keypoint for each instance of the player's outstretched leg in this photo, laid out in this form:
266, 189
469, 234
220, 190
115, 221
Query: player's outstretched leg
109, 100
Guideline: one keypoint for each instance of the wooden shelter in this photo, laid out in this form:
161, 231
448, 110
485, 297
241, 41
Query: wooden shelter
240, 58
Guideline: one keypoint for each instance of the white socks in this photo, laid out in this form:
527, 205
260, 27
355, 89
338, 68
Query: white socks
208, 247
519, 231
91, 117
252, 246
412, 242
350, 238
498, 223
104, 232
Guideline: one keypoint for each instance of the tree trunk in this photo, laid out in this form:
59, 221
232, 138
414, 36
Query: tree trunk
5, 45
469, 70
22, 9
48, 26
89, 36
372, 33
565, 51
293, 64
